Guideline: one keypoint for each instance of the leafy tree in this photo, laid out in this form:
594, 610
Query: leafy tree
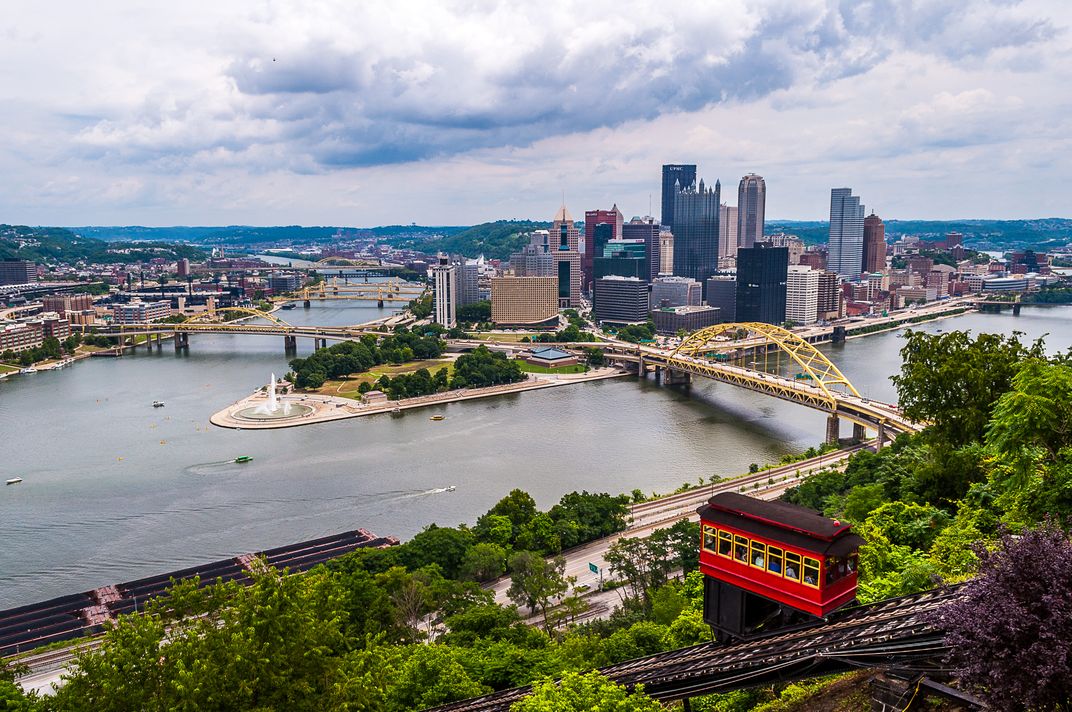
484, 561
594, 356
445, 546
591, 692
645, 564
482, 367
535, 581
475, 312
432, 675
953, 381
1010, 629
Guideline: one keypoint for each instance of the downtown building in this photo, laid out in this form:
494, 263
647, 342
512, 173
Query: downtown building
696, 217
596, 237
15, 271
567, 259
676, 178
671, 320
534, 259
874, 255
846, 248
829, 305
140, 312
445, 277
647, 230
802, 295
761, 283
524, 301
751, 207
727, 236
675, 292
722, 294
666, 251
620, 300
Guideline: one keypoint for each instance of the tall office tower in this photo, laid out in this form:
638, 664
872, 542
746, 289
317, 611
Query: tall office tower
666, 251
13, 271
446, 291
751, 206
676, 178
794, 243
563, 225
675, 292
468, 282
182, 267
696, 232
594, 241
828, 305
524, 301
620, 300
846, 234
567, 260
722, 294
727, 235
761, 283
802, 295
874, 244
646, 229
535, 258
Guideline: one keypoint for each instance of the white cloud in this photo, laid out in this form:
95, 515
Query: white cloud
456, 112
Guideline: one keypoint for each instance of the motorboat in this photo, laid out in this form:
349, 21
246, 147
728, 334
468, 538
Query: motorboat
31, 369
451, 488
158, 404
437, 417
13, 481
243, 458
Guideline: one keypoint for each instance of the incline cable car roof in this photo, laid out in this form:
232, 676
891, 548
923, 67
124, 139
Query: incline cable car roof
781, 521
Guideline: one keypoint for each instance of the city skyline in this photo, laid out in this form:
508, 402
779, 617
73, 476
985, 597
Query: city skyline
332, 114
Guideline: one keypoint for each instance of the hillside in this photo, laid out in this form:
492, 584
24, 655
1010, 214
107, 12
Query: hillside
494, 240
252, 235
979, 234
57, 244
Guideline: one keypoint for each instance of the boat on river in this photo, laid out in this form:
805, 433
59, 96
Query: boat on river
243, 458
158, 404
437, 417
13, 481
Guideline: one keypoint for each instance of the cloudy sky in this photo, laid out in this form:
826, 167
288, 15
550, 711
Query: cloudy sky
363, 113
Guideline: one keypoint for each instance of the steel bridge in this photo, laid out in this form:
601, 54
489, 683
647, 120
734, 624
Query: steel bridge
207, 323
897, 634
759, 357
381, 293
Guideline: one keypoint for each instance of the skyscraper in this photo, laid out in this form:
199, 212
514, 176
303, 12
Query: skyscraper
666, 251
594, 240
567, 259
676, 177
696, 232
727, 235
446, 292
762, 273
802, 295
535, 259
846, 233
874, 244
646, 229
751, 206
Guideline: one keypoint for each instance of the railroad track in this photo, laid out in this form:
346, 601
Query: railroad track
895, 632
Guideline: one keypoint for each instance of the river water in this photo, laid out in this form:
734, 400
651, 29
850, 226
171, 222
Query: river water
115, 490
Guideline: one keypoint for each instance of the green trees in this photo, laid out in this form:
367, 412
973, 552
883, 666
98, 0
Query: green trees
483, 367
535, 581
475, 312
637, 332
350, 357
585, 693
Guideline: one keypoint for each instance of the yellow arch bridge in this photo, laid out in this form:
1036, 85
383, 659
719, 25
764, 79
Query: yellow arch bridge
381, 292
772, 360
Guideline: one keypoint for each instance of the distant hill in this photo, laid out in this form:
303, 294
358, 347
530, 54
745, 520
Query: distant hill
494, 240
57, 244
241, 235
1039, 233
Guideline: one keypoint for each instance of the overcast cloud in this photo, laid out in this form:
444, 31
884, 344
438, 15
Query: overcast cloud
336, 112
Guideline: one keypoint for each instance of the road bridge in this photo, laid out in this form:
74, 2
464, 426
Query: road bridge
205, 323
381, 293
758, 357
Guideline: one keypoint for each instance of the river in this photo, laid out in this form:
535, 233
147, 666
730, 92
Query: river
115, 490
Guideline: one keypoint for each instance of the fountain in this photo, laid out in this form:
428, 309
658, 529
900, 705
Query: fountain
274, 408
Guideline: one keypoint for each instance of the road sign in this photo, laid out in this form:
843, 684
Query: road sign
593, 568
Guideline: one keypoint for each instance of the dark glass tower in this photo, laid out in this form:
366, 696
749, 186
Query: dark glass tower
684, 177
696, 213
762, 273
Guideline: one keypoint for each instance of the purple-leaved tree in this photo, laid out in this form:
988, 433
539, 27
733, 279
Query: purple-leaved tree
1010, 633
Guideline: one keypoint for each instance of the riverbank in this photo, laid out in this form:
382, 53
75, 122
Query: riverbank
330, 408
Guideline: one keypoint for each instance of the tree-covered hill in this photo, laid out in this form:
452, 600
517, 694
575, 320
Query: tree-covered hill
57, 244
240, 235
494, 240
978, 234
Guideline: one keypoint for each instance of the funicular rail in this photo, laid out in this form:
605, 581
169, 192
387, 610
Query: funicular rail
896, 632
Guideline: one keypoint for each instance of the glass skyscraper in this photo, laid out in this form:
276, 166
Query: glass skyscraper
696, 212
846, 248
676, 177
762, 275
751, 206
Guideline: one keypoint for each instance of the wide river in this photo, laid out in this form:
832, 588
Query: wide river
115, 490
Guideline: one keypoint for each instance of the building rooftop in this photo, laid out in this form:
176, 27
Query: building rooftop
550, 353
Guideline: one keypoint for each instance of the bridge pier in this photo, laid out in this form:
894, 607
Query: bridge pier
642, 368
1016, 309
880, 441
290, 344
833, 429
859, 433
307, 304
379, 303
182, 341
674, 377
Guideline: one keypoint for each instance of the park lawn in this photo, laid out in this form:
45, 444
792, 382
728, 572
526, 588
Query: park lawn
4, 368
510, 337
347, 387
535, 368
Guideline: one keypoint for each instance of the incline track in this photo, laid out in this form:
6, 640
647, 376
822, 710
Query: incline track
896, 632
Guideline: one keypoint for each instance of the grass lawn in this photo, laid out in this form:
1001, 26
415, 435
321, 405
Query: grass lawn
347, 387
4, 368
510, 337
533, 368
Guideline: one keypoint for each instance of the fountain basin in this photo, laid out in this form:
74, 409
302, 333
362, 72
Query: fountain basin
259, 412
